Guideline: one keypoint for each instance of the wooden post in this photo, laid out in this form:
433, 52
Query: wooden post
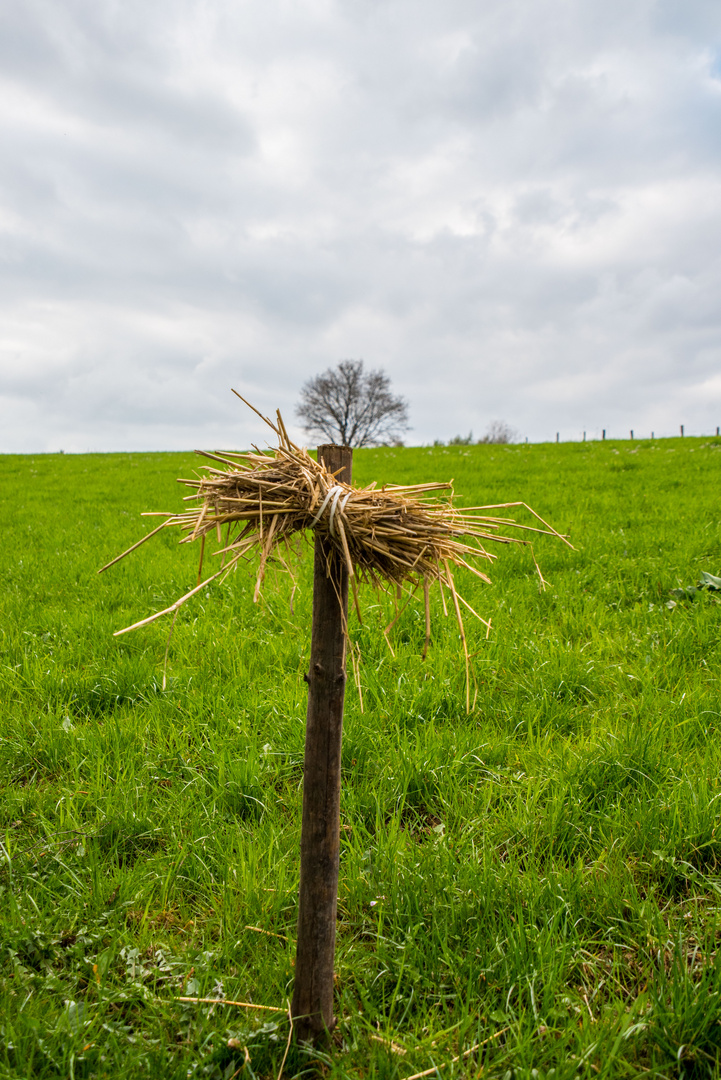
312, 1005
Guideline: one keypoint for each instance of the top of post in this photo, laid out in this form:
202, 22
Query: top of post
338, 460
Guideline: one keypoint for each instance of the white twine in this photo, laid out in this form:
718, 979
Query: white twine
334, 507
333, 493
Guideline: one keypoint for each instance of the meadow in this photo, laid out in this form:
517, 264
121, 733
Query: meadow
540, 876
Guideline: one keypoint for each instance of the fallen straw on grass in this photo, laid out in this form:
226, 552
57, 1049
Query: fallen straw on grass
400, 536
389, 1044
268, 933
225, 1001
459, 1057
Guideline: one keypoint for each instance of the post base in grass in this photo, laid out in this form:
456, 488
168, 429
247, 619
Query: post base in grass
312, 1029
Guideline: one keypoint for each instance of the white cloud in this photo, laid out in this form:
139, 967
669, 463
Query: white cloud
511, 207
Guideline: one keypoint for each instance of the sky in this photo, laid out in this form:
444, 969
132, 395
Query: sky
512, 207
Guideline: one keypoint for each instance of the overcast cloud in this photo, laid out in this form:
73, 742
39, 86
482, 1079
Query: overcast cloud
512, 206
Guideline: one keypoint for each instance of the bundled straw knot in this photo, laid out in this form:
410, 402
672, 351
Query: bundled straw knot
398, 535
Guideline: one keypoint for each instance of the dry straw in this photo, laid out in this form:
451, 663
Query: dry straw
397, 535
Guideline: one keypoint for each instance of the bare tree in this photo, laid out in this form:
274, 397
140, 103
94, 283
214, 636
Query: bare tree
499, 432
353, 407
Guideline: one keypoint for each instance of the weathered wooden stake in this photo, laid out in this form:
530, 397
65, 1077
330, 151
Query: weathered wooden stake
312, 1005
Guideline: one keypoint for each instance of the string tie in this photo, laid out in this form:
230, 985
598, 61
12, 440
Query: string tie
333, 496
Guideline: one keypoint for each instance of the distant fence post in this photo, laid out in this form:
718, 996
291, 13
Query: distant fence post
603, 436
584, 436
681, 430
631, 434
557, 437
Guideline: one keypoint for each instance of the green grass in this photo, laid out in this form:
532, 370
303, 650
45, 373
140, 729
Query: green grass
544, 873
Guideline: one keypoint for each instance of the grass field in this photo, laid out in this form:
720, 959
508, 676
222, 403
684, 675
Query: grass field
542, 876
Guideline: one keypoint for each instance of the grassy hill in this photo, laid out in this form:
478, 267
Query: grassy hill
541, 875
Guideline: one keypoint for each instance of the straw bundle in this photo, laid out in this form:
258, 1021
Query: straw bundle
397, 535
